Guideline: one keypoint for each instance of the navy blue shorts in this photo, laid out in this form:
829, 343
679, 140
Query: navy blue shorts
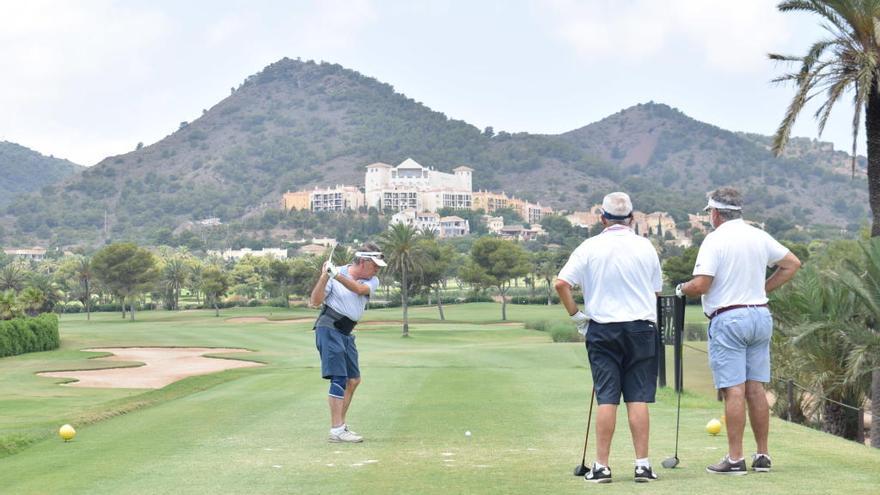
623, 359
339, 354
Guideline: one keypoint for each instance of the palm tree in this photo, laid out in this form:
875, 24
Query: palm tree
12, 277
52, 294
9, 308
847, 61
815, 316
400, 245
32, 300
864, 281
174, 278
83, 272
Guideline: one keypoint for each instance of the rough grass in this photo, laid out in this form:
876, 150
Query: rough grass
262, 430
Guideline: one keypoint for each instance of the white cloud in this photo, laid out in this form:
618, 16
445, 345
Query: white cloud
730, 36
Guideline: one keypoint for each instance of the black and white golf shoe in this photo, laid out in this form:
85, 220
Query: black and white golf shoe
596, 475
726, 466
645, 474
761, 463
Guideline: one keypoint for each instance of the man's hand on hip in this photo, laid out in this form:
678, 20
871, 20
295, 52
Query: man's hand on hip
581, 321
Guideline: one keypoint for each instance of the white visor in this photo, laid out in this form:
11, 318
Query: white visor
375, 256
720, 206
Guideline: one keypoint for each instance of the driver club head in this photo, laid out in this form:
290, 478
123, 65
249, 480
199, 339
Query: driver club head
670, 462
581, 470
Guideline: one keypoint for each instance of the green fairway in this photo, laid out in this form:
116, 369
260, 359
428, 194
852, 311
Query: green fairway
263, 430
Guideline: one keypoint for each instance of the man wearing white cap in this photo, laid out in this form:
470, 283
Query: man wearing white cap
730, 274
344, 292
619, 273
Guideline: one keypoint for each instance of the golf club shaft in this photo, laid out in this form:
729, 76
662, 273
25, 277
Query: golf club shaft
680, 368
589, 419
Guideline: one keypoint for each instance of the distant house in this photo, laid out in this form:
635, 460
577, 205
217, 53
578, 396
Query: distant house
210, 222
324, 241
313, 249
494, 224
424, 221
454, 226
32, 254
490, 202
521, 233
237, 254
339, 198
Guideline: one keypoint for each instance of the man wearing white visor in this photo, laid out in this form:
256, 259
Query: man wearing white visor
730, 274
344, 292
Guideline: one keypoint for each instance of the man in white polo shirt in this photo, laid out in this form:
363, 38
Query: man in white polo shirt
730, 274
343, 293
619, 273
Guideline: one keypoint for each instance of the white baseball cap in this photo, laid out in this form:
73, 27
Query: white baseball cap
617, 206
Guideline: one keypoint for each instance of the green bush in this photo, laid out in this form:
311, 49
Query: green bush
564, 332
539, 325
22, 335
533, 300
559, 331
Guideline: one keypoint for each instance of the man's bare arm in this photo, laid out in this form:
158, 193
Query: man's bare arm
353, 285
785, 270
563, 288
697, 286
317, 297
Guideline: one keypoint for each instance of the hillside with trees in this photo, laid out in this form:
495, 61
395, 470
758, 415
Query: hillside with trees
300, 124
24, 170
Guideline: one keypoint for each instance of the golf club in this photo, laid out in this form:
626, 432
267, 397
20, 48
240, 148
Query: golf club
332, 250
672, 462
582, 469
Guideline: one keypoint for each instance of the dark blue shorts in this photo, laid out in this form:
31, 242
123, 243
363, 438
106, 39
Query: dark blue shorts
623, 359
339, 354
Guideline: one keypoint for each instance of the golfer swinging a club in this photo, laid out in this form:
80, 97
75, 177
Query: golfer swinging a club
620, 275
344, 292
730, 274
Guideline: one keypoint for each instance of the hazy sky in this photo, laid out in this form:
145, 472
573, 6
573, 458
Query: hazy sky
85, 79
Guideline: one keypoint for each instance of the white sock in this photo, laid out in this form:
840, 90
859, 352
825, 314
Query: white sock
598, 465
643, 462
734, 461
336, 430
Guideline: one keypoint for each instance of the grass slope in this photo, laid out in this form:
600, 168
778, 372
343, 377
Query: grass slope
263, 430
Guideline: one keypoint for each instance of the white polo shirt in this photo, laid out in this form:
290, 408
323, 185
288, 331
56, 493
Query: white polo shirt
737, 256
619, 273
344, 301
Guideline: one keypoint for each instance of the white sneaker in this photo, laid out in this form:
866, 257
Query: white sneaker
345, 436
351, 431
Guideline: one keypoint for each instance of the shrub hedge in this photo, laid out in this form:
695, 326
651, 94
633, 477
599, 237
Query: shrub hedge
21, 335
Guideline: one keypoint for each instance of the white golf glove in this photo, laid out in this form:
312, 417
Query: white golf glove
331, 269
678, 291
581, 321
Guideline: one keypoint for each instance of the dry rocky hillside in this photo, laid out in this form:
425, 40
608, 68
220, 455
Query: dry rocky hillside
299, 124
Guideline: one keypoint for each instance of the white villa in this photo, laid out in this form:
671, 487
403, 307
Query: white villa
410, 185
425, 221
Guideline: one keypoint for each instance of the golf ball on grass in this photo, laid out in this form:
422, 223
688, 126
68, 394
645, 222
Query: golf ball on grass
67, 433
713, 427
467, 433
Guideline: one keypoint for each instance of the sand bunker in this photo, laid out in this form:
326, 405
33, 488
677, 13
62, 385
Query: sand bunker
263, 319
162, 366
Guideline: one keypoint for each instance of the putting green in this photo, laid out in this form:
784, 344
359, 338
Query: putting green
263, 430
